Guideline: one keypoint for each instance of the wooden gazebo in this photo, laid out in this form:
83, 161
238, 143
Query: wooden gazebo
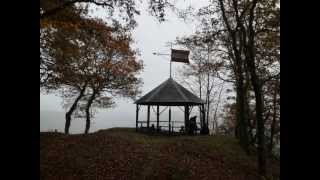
170, 93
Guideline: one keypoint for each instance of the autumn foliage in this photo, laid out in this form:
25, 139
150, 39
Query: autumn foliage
87, 59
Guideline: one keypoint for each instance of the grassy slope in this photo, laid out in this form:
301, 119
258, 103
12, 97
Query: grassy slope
123, 154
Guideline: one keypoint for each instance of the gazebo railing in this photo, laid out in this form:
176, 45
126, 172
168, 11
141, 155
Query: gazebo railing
173, 126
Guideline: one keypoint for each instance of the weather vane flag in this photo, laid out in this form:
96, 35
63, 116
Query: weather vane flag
180, 56
177, 56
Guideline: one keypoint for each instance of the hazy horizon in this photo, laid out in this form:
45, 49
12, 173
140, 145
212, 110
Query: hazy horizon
150, 36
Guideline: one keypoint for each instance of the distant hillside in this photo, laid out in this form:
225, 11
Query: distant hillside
121, 153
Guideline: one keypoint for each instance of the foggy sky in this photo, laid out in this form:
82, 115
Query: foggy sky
150, 36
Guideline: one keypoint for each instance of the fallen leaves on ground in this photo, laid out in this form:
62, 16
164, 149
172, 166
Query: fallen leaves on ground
122, 154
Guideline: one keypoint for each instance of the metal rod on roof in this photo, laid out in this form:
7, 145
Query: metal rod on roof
170, 68
170, 106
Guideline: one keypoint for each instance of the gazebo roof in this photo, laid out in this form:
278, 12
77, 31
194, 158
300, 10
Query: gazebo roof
169, 93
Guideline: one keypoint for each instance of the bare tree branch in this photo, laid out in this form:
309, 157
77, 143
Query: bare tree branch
53, 11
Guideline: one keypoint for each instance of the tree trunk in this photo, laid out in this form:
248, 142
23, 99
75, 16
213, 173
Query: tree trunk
242, 119
251, 135
242, 127
72, 108
236, 44
215, 121
251, 126
208, 91
257, 86
200, 90
260, 126
208, 98
259, 110
250, 123
248, 48
274, 116
90, 101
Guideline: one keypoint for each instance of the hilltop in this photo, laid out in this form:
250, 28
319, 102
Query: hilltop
121, 153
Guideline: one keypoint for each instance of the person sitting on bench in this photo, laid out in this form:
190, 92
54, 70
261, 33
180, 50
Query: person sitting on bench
182, 129
193, 125
152, 127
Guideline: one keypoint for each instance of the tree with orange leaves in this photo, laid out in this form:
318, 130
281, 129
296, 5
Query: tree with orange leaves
87, 60
112, 69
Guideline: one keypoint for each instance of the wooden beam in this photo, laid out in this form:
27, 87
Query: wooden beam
169, 119
137, 117
158, 114
148, 117
200, 117
171, 126
186, 118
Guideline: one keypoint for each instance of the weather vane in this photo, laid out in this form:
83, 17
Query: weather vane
176, 56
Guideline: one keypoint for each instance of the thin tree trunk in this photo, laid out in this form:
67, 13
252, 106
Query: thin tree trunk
200, 89
72, 108
208, 98
251, 135
250, 123
247, 107
260, 127
208, 89
216, 109
274, 116
90, 101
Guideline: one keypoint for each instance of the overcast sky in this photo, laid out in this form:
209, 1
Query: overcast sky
150, 36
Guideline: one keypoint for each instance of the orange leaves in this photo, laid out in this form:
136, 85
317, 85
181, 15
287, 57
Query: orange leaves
46, 23
87, 49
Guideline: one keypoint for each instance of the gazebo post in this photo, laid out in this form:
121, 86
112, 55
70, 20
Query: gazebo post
148, 117
204, 127
186, 118
203, 116
137, 116
158, 114
201, 123
169, 119
172, 126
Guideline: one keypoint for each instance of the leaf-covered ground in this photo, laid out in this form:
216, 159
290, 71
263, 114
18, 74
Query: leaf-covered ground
124, 154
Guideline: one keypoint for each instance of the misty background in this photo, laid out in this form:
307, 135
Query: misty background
150, 36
